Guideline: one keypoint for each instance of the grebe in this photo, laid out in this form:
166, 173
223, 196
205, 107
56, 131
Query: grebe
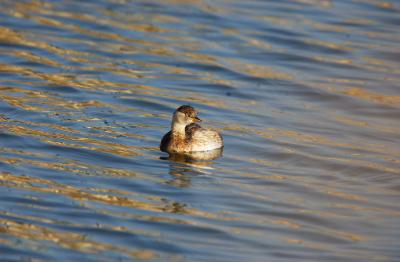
187, 136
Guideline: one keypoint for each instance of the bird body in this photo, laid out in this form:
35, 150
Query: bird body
187, 136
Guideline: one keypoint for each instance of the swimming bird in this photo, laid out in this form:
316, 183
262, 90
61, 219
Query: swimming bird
187, 136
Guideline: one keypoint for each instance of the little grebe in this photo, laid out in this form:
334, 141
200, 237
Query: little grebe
187, 136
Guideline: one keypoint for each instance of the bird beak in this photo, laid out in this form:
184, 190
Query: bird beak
196, 119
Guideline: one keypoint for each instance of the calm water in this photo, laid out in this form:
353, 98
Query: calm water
305, 93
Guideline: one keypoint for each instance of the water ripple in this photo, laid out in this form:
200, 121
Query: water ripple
304, 92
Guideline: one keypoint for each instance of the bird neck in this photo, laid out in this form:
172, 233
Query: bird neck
178, 128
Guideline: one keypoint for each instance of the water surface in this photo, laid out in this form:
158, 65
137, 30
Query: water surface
305, 93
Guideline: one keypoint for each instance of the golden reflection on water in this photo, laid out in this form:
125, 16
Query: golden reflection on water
359, 93
309, 140
92, 144
69, 240
106, 60
261, 71
373, 97
47, 186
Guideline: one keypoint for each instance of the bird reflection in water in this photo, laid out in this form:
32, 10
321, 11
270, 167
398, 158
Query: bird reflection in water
185, 165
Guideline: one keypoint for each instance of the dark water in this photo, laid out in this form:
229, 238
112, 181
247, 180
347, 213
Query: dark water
305, 93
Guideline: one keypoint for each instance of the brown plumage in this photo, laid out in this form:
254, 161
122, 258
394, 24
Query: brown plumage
190, 129
186, 136
165, 141
187, 110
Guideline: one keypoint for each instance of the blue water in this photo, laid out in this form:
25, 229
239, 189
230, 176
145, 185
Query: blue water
305, 94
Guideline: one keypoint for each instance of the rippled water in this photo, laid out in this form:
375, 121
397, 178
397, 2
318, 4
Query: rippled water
305, 93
